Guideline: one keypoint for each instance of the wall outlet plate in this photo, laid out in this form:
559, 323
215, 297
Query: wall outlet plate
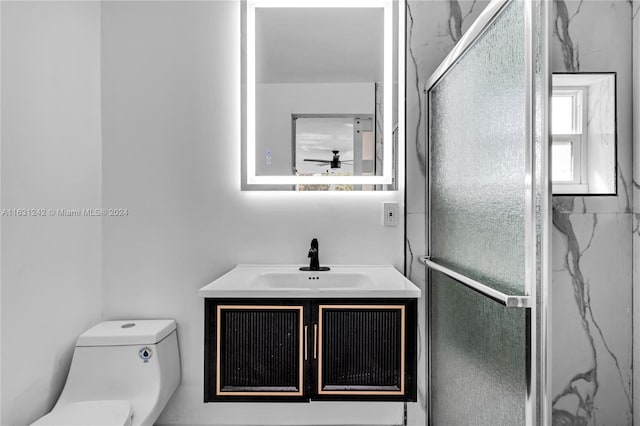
391, 214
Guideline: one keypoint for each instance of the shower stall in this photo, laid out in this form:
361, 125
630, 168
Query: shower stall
487, 222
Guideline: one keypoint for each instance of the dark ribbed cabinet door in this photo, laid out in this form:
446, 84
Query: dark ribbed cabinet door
365, 351
259, 352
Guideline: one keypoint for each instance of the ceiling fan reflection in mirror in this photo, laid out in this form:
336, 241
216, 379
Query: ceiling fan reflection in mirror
335, 162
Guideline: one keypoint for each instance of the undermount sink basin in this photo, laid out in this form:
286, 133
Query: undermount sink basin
287, 281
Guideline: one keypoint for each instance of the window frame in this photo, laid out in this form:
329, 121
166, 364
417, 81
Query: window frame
578, 139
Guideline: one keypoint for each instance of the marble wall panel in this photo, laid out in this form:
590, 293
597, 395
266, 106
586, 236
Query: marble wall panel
592, 308
416, 272
592, 248
636, 104
636, 315
636, 203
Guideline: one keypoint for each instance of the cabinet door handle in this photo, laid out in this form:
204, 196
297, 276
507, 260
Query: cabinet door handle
306, 344
315, 341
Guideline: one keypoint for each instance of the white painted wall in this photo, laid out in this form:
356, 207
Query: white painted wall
276, 102
171, 156
51, 288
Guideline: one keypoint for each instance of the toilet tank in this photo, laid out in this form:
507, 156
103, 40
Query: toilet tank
134, 360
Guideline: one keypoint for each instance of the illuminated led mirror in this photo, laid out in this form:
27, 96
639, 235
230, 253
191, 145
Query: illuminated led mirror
320, 89
583, 134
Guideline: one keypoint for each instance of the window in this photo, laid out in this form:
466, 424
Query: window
569, 139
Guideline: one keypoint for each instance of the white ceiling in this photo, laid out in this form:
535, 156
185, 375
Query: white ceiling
319, 45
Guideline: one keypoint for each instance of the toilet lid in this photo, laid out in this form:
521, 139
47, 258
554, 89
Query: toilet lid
89, 413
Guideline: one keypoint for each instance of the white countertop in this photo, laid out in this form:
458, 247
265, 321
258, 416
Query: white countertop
287, 281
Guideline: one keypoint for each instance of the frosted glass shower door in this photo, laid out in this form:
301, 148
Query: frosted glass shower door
488, 212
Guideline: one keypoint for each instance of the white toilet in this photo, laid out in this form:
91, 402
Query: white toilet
122, 373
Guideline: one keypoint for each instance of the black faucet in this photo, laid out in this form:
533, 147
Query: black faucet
314, 256
314, 263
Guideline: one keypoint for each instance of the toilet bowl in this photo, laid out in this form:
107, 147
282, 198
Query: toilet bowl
122, 373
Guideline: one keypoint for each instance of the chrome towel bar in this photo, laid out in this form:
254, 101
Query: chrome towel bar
508, 300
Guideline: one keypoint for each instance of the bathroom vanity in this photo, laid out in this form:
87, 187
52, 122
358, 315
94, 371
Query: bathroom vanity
274, 333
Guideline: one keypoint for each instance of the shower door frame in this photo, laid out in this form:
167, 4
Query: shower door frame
536, 300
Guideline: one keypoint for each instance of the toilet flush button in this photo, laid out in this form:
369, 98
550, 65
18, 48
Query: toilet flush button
145, 353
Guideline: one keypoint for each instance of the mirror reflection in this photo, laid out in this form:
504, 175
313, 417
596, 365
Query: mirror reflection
334, 146
319, 89
583, 133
